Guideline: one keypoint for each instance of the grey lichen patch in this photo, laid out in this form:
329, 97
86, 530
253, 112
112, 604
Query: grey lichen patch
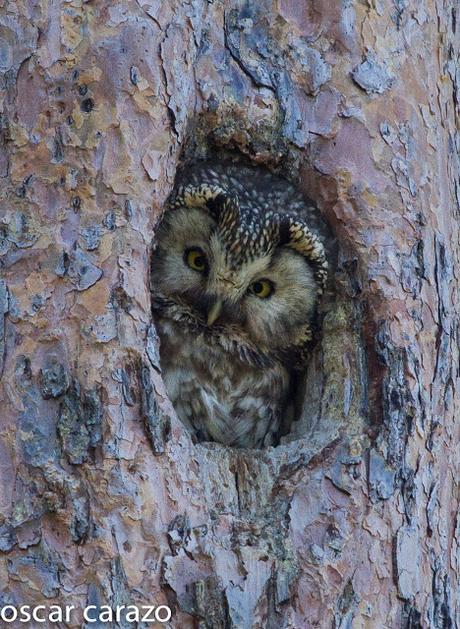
372, 75
396, 397
40, 566
82, 272
80, 523
156, 424
4, 242
8, 537
110, 220
54, 379
72, 429
208, 602
120, 590
37, 432
18, 40
346, 606
92, 236
21, 229
104, 327
345, 470
316, 71
285, 577
152, 347
182, 537
57, 149
78, 268
252, 41
381, 477
79, 423
92, 404
124, 377
442, 609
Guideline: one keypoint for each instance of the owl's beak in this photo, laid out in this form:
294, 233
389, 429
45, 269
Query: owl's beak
214, 311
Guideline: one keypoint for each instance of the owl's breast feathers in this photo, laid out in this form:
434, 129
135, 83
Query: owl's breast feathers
217, 397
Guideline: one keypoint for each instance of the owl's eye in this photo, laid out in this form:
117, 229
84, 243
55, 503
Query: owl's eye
196, 259
262, 288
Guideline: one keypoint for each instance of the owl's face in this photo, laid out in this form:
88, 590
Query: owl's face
233, 275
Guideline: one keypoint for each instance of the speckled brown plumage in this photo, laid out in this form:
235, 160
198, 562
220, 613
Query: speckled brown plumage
227, 348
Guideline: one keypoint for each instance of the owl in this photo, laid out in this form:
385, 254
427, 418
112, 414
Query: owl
236, 275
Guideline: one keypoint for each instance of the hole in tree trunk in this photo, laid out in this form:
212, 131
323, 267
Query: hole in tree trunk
232, 362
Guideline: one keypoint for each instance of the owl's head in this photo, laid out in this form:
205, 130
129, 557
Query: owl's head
248, 270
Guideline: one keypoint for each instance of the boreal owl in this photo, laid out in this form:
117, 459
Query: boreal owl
236, 274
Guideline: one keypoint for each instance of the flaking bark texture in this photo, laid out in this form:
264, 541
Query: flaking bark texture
353, 520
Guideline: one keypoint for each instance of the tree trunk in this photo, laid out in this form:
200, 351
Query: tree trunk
353, 520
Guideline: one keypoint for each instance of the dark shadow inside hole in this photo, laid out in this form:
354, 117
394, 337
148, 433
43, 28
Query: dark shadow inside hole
233, 388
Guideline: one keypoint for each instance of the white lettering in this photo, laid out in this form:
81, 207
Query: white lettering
8, 608
132, 614
55, 614
35, 615
91, 614
158, 615
68, 609
86, 615
149, 609
25, 613
118, 612
106, 614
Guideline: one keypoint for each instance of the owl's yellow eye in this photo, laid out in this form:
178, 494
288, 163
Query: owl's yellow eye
196, 260
262, 288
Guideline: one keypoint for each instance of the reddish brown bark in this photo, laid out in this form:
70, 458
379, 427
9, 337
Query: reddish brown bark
353, 522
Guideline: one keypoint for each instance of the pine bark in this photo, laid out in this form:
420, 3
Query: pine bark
353, 520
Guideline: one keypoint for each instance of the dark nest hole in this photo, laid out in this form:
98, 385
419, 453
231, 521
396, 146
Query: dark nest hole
329, 392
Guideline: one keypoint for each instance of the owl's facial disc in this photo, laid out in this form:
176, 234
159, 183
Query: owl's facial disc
264, 293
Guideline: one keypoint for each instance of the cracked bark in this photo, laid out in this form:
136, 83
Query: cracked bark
353, 520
